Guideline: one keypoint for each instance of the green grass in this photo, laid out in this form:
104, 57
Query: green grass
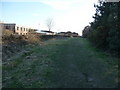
61, 63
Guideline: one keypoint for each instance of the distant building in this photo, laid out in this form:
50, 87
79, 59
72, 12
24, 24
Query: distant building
74, 34
61, 33
68, 33
20, 30
9, 26
24, 30
45, 32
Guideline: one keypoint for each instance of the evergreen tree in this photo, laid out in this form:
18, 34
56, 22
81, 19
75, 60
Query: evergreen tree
105, 27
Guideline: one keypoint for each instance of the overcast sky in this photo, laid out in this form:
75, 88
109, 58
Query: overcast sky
68, 15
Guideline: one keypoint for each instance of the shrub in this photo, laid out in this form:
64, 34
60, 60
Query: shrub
99, 37
7, 32
114, 41
33, 38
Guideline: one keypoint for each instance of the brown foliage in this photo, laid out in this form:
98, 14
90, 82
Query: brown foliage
9, 37
33, 38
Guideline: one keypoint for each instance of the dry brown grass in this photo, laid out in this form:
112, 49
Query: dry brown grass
8, 36
33, 39
7, 32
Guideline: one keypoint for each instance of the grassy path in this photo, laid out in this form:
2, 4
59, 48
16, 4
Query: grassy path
69, 63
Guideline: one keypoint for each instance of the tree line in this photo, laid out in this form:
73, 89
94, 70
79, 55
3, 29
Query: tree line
104, 31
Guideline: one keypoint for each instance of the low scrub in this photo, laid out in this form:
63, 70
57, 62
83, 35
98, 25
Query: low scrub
12, 43
33, 39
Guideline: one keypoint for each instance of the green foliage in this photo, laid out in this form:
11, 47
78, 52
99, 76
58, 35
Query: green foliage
86, 31
114, 41
105, 27
99, 37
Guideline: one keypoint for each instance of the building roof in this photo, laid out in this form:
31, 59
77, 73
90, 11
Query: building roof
8, 23
47, 31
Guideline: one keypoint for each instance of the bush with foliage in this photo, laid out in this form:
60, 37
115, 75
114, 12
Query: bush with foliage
105, 29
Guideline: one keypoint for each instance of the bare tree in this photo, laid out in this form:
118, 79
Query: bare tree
50, 23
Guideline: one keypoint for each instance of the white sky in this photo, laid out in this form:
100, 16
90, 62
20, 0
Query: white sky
78, 14
68, 15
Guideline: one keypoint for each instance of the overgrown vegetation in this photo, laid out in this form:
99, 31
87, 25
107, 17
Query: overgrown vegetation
105, 30
63, 63
12, 43
8, 37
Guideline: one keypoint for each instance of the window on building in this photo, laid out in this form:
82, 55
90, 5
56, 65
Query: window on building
21, 28
24, 29
17, 28
7, 27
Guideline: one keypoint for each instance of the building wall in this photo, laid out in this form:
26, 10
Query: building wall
10, 26
22, 30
